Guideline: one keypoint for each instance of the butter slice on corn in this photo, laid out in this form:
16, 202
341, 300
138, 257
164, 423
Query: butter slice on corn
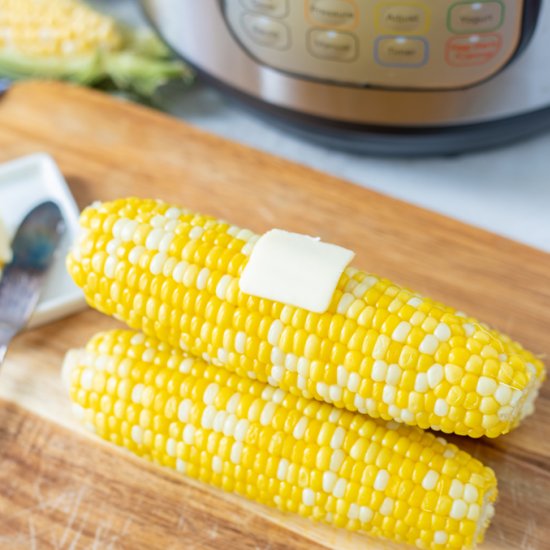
379, 349
278, 449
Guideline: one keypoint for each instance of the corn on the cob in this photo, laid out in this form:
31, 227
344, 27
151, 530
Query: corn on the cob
289, 452
380, 349
68, 40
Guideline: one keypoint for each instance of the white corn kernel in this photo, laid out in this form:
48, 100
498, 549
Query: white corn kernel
278, 395
196, 232
503, 394
435, 375
217, 464
222, 286
236, 452
184, 409
486, 386
240, 341
401, 332
459, 509
474, 512
442, 332
165, 242
365, 514
354, 381
387, 506
186, 365
136, 392
210, 393
275, 331
381, 481
441, 407
87, 379
241, 429
457, 489
207, 419
470, 493
137, 434
202, 278
153, 239
379, 371
171, 447
300, 428
277, 373
189, 434
219, 421
233, 403
337, 438
429, 344
308, 497
393, 375
421, 382
353, 511
337, 459
505, 413
341, 376
430, 480
388, 394
229, 425
267, 414
277, 356
381, 347
329, 481
340, 488
282, 469
345, 301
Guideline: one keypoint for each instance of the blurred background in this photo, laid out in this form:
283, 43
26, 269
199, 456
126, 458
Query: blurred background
505, 190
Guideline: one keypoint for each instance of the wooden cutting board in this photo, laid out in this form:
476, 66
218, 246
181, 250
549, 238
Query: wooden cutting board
62, 489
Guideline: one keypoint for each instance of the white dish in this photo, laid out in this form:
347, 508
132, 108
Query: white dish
24, 183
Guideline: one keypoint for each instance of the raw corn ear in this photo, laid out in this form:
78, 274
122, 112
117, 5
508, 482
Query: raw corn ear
66, 39
380, 349
295, 454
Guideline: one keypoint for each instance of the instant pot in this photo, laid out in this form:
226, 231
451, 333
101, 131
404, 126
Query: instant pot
383, 76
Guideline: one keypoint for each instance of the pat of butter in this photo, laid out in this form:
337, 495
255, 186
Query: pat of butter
294, 269
5, 248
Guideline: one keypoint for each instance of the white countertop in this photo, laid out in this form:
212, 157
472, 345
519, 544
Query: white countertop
506, 191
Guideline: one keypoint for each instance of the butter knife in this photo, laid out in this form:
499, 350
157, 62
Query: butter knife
33, 248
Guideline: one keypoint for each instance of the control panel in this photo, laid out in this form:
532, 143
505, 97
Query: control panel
419, 44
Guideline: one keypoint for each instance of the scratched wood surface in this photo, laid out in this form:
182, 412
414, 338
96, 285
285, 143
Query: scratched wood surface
59, 488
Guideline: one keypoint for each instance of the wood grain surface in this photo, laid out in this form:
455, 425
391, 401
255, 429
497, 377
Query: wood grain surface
61, 489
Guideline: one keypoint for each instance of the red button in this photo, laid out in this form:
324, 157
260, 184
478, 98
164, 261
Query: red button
465, 51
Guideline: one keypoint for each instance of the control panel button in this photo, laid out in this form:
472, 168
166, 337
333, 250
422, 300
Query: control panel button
337, 46
267, 32
273, 8
336, 13
466, 51
402, 18
470, 17
401, 51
